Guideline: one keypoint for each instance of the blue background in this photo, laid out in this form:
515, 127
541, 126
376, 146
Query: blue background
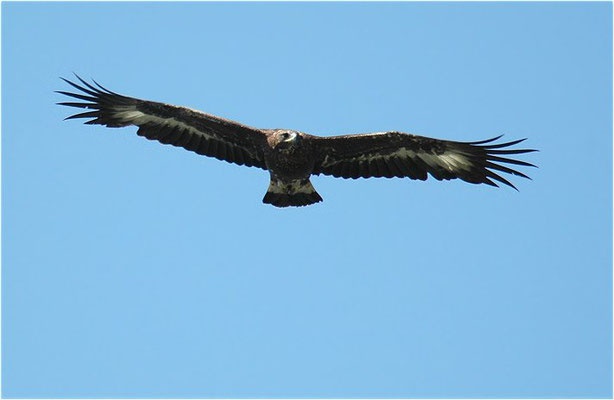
136, 269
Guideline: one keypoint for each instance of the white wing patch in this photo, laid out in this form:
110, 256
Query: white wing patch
449, 160
455, 161
131, 116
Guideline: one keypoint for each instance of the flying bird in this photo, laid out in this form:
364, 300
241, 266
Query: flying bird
290, 156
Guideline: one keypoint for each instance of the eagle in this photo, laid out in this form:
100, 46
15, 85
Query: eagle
290, 156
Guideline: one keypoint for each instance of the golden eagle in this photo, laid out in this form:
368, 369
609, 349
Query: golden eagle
291, 157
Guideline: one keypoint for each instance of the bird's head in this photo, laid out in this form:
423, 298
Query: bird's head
287, 139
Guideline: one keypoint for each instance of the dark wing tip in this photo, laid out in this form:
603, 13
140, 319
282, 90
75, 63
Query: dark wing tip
105, 89
90, 98
497, 158
485, 141
489, 157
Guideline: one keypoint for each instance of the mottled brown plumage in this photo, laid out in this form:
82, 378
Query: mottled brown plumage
291, 157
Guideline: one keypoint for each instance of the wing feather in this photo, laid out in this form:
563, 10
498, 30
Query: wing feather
192, 130
399, 154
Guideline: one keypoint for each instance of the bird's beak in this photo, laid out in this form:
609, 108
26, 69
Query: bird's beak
289, 141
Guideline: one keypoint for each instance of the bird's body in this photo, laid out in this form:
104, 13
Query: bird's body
291, 157
288, 154
288, 158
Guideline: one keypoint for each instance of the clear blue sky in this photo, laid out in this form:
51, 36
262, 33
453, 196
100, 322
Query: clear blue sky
133, 269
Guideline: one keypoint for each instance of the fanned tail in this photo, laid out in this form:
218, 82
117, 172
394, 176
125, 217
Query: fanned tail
291, 194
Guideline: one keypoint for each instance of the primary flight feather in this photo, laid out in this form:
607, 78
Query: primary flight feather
291, 157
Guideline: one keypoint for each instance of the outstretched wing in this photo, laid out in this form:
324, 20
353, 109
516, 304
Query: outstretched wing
179, 126
391, 154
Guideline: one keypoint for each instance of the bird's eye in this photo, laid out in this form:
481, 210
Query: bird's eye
286, 135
